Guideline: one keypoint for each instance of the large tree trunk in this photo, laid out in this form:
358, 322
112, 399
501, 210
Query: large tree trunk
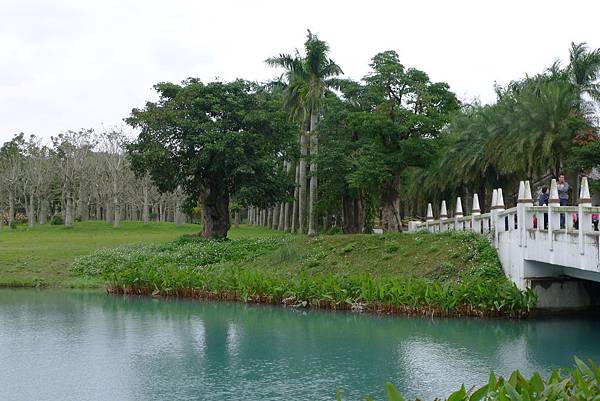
351, 218
314, 150
294, 225
390, 218
215, 204
302, 180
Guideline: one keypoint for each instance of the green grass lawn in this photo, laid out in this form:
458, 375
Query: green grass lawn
42, 255
391, 254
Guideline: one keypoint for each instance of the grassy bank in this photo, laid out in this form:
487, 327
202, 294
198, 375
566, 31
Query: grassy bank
42, 255
447, 274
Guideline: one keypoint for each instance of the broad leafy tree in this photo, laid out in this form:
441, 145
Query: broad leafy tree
213, 140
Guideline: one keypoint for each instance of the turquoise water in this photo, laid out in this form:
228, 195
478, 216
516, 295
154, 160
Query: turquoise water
70, 345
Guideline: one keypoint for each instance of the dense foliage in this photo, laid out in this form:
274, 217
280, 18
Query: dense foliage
313, 151
196, 267
538, 127
215, 141
581, 383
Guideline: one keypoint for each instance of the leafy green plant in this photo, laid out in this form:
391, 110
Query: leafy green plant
581, 383
193, 266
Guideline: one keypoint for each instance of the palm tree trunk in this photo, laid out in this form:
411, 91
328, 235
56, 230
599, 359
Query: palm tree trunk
286, 208
295, 204
303, 190
314, 149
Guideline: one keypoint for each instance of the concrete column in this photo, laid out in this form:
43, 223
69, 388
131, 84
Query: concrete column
458, 213
475, 223
553, 217
443, 217
429, 217
584, 220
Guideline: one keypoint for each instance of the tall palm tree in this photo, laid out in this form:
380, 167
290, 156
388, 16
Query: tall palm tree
308, 79
584, 70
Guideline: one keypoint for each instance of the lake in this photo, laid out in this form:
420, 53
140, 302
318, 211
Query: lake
82, 345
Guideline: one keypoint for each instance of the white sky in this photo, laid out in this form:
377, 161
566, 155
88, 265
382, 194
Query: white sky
83, 63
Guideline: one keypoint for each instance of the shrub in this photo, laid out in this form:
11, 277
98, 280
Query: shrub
581, 383
13, 224
56, 220
194, 265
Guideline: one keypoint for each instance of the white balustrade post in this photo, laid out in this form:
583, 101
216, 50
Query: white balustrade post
499, 220
493, 216
458, 214
584, 220
527, 221
443, 217
521, 212
429, 217
476, 222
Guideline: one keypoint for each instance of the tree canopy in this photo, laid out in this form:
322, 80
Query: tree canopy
216, 141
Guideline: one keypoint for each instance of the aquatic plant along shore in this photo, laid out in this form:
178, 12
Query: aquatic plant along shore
320, 273
580, 383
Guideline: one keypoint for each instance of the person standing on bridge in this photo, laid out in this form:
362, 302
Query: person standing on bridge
543, 201
563, 196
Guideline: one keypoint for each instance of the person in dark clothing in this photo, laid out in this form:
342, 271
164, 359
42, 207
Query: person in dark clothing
543, 201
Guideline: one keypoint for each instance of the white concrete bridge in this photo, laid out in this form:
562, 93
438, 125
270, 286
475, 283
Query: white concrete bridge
535, 251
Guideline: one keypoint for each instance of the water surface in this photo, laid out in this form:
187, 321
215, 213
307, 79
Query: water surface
70, 345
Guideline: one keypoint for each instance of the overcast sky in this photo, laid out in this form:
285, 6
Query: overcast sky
87, 63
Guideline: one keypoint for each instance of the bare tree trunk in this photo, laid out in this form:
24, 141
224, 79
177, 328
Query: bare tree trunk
236, 219
31, 217
108, 212
281, 216
43, 216
11, 206
146, 210
69, 211
302, 191
286, 208
294, 224
314, 150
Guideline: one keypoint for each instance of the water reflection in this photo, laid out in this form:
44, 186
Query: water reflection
71, 345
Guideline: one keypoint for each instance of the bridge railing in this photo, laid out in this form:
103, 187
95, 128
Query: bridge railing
578, 221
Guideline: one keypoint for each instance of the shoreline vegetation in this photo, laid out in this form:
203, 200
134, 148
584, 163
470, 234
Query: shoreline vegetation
582, 382
450, 274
